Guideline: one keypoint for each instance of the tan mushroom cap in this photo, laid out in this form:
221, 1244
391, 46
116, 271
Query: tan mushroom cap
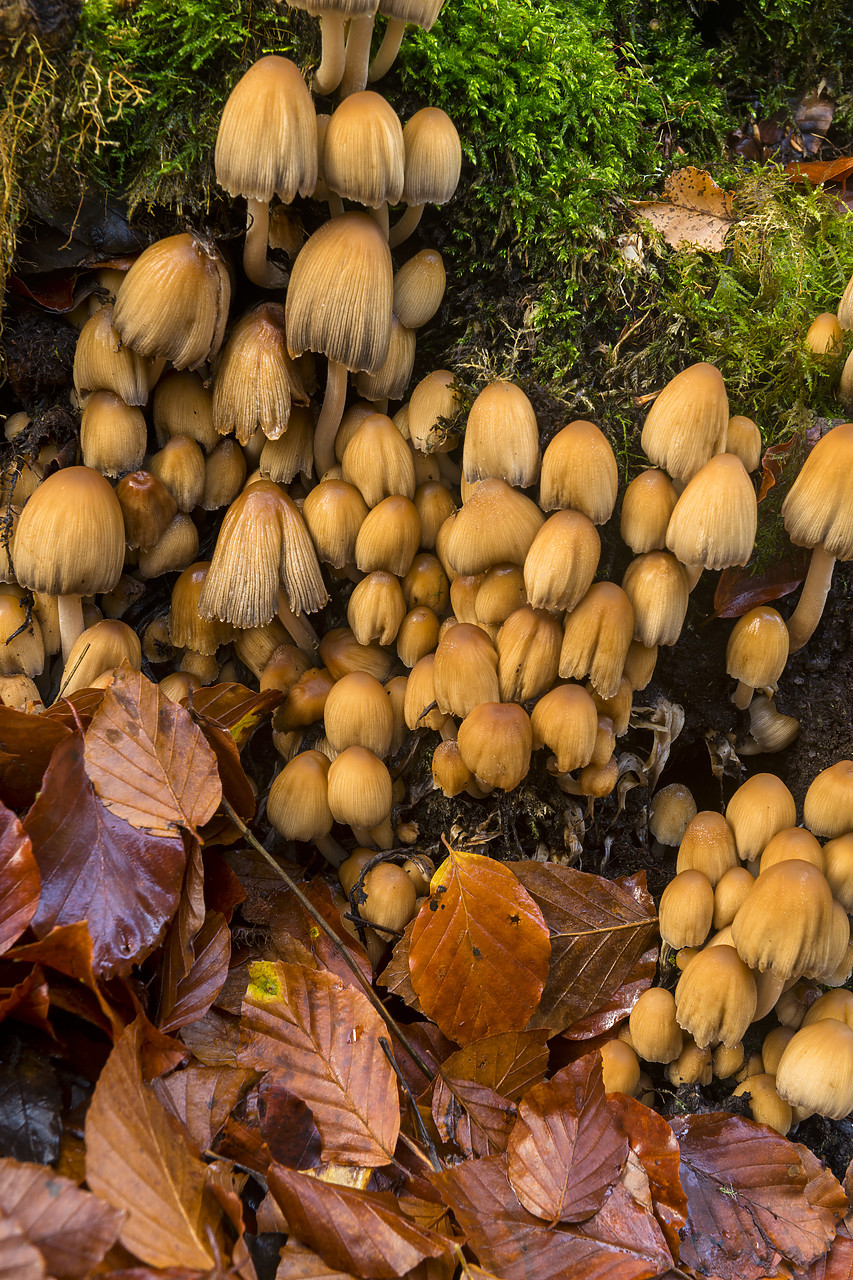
113, 435
744, 439
419, 288
759, 808
579, 471
256, 381
183, 406
363, 153
433, 157
828, 806
671, 811
528, 646
359, 788
818, 508
495, 740
101, 363
358, 714
686, 910
715, 519
784, 920
378, 461
21, 642
655, 1033
298, 805
100, 648
502, 437
596, 636
496, 525
687, 423
562, 560
187, 628
566, 721
657, 586
648, 503
816, 1069
70, 536
465, 672
708, 845
758, 648
716, 997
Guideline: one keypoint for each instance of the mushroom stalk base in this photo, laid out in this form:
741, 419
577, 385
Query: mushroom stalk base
387, 52
255, 264
298, 628
742, 695
70, 622
807, 615
406, 226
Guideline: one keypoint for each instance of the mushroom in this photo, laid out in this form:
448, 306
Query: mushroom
433, 165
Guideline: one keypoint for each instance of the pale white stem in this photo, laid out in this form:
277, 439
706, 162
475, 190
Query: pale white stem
330, 417
807, 615
407, 224
742, 695
380, 217
336, 205
70, 622
328, 75
255, 264
357, 56
298, 627
388, 50
331, 850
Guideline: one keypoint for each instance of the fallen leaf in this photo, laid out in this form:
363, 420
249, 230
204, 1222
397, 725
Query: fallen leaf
27, 999
565, 1152
76, 711
201, 1098
96, 867
600, 931
30, 1102
148, 762
214, 1039
26, 745
19, 1260
68, 949
819, 172
20, 882
395, 977
291, 922
138, 1160
72, 1229
479, 949
472, 1115
236, 708
298, 1262
694, 212
198, 989
837, 1264
510, 1063
178, 948
287, 1124
653, 1142
324, 1036
363, 1232
746, 1199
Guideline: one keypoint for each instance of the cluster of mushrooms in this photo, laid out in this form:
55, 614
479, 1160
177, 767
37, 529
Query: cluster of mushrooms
473, 608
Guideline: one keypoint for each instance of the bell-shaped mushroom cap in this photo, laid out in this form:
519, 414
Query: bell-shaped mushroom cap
298, 804
419, 707
100, 648
672, 810
656, 584
187, 628
496, 525
502, 437
389, 537
528, 646
838, 858
596, 636
828, 806
21, 642
359, 788
792, 842
426, 583
708, 845
378, 461
655, 1033
358, 714
495, 741
716, 997
181, 468
686, 910
363, 154
113, 434
687, 423
183, 406
341, 653
293, 451
433, 410
433, 157
256, 380
744, 439
579, 471
224, 474
758, 648
715, 519
819, 506
376, 608
334, 511
390, 381
419, 288
465, 672
174, 301
70, 537
566, 721
101, 363
562, 560
784, 919
759, 808
339, 297
174, 550
267, 139
816, 1069
648, 503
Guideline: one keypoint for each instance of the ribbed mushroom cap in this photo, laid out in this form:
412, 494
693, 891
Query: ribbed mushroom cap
671, 811
376, 608
825, 337
687, 423
819, 506
293, 451
339, 297
579, 471
426, 583
334, 511
174, 301
782, 922
389, 536
419, 708
433, 157
187, 628
298, 803
758, 648
100, 648
256, 381
341, 653
708, 845
70, 536
113, 434
596, 636
180, 466
562, 560
502, 437
175, 549
828, 806
816, 1069
501, 594
465, 671
497, 524
449, 772
566, 721
765, 1105
358, 714
729, 894
306, 699
378, 461
21, 643
716, 997
418, 635
359, 788
224, 474
363, 153
744, 440
838, 859
183, 406
495, 741
655, 1033
528, 647
657, 586
715, 519
792, 842
648, 503
758, 809
267, 140
284, 667
390, 381
419, 288
686, 910
422, 13
433, 409
101, 363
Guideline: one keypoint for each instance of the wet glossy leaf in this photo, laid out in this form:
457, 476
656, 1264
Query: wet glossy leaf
479, 949
72, 1229
196, 992
20, 882
26, 745
324, 1037
395, 977
473, 1116
236, 708
510, 1063
148, 762
96, 867
287, 1124
291, 922
565, 1152
837, 1264
178, 947
600, 930
30, 1102
362, 1232
201, 1098
138, 1160
746, 1197
298, 1262
653, 1142
68, 949
820, 171
26, 999
695, 211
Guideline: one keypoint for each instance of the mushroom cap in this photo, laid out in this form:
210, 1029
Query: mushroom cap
363, 153
419, 288
496, 525
358, 714
687, 423
113, 434
256, 381
672, 809
655, 1033
816, 1069
758, 648
298, 805
708, 845
495, 741
183, 406
716, 997
828, 806
562, 560
656, 584
100, 648
359, 788
267, 139
784, 919
759, 808
465, 672
101, 363
819, 506
378, 461
579, 470
187, 628
70, 536
596, 636
744, 439
648, 503
502, 437
686, 910
566, 721
433, 157
528, 647
422, 13
715, 519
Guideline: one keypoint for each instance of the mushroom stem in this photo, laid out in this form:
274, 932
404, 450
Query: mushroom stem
693, 572
328, 75
298, 627
336, 205
742, 695
807, 614
380, 217
357, 55
330, 417
388, 50
407, 224
255, 264
449, 730
331, 850
71, 625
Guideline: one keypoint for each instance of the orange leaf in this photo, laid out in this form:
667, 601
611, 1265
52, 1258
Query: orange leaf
654, 1144
510, 1063
235, 708
20, 882
694, 211
70, 1228
479, 949
473, 1116
819, 171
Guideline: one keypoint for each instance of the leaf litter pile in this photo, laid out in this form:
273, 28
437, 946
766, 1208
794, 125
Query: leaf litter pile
210, 1097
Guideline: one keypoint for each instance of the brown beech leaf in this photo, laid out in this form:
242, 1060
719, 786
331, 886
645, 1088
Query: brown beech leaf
138, 1160
510, 1063
479, 949
19, 1260
178, 947
148, 762
68, 949
694, 212
395, 977
214, 1040
653, 1142
27, 999
291, 922
236, 708
746, 1199
96, 867
20, 882
298, 1262
288, 1127
363, 1232
236, 786
324, 1036
835, 1265
201, 1098
72, 1229
26, 745
76, 712
600, 931
473, 1116
565, 1152
198, 989
621, 1242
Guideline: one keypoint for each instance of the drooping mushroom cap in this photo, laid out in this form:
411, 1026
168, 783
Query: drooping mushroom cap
495, 743
716, 997
183, 406
101, 363
816, 1069
648, 503
758, 648
784, 919
828, 806
21, 642
256, 381
496, 525
70, 537
596, 636
819, 507
433, 157
267, 139
656, 584
390, 381
465, 671
687, 423
378, 461
566, 721
715, 519
187, 628
363, 154
340, 292
502, 437
579, 471
562, 560
759, 808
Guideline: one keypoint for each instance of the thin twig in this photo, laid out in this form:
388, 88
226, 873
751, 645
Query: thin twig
341, 947
416, 1115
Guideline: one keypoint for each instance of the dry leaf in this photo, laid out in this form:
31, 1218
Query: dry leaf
694, 211
201, 1098
479, 949
510, 1063
236, 708
298, 1262
20, 882
26, 745
287, 1125
198, 989
71, 1229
